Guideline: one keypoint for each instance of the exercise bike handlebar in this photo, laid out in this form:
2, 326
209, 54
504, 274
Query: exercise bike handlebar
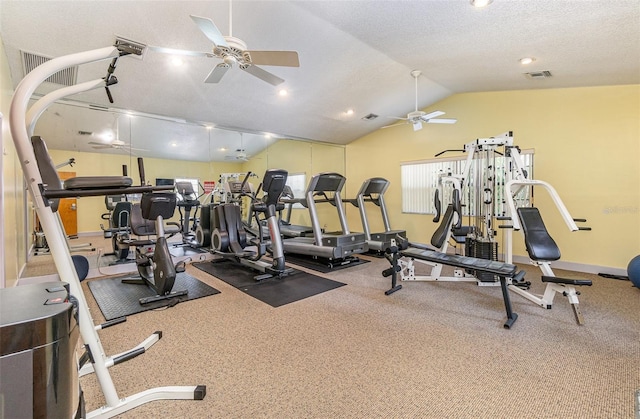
141, 170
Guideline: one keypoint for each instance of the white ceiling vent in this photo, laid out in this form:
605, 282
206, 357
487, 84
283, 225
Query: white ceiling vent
370, 117
538, 74
66, 77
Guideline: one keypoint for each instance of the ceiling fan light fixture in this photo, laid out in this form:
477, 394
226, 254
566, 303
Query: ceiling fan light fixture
106, 136
478, 4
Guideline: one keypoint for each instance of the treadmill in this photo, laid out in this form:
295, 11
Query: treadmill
372, 190
335, 248
287, 229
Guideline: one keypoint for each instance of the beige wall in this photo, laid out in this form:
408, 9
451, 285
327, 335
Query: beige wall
586, 142
12, 190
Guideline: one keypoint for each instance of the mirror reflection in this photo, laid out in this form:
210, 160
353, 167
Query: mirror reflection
101, 141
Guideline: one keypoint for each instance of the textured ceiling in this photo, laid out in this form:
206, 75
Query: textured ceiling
353, 55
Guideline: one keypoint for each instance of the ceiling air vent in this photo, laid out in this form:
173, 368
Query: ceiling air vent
66, 77
538, 74
370, 117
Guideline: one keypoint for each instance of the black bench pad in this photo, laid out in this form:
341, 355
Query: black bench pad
97, 182
491, 266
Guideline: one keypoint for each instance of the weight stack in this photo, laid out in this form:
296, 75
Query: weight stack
482, 249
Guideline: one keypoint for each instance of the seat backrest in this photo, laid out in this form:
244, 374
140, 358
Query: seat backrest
47, 169
110, 201
440, 235
140, 226
121, 215
540, 245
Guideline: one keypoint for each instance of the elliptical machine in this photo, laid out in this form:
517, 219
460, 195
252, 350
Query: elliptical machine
229, 237
119, 217
189, 200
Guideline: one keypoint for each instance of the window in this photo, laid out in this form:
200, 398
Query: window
420, 180
298, 184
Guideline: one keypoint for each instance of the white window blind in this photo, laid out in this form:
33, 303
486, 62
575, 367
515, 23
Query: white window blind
419, 181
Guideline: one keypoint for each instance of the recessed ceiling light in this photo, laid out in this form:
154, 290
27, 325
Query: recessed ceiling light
267, 135
283, 92
480, 3
527, 60
349, 112
174, 144
177, 61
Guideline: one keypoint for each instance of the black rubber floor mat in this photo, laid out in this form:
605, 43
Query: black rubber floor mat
320, 266
276, 291
116, 299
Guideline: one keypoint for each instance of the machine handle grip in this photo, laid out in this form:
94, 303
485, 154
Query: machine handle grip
141, 170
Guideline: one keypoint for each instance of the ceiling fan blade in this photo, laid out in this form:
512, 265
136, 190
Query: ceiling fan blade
417, 125
173, 51
430, 115
280, 58
394, 125
262, 74
442, 121
210, 30
216, 74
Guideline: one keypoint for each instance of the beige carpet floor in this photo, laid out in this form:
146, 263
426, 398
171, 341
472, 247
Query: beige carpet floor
431, 350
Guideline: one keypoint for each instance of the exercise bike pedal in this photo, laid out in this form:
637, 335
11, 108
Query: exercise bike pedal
180, 267
143, 260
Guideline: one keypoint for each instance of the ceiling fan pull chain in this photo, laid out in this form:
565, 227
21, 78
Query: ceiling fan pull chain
416, 79
230, 19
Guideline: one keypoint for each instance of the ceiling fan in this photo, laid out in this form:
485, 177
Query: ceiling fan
241, 154
233, 51
111, 139
418, 117
117, 144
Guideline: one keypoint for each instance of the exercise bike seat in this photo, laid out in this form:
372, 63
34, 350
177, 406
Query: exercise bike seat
142, 227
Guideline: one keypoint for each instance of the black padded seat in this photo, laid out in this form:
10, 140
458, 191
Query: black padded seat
142, 227
52, 181
540, 245
502, 269
440, 235
93, 182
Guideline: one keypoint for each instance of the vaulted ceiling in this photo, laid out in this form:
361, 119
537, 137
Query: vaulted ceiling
353, 55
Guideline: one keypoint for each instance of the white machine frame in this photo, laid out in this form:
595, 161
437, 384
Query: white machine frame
516, 180
546, 299
22, 124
